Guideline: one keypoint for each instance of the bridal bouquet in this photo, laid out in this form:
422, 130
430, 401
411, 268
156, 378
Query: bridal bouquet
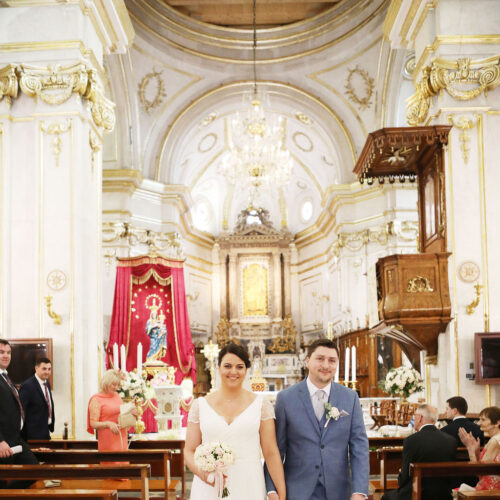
402, 381
215, 458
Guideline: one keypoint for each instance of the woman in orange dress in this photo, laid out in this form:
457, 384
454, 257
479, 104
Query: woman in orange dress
489, 421
103, 412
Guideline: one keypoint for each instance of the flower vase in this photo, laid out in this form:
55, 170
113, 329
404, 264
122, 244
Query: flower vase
140, 426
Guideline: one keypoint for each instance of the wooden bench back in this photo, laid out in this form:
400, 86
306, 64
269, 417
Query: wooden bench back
60, 493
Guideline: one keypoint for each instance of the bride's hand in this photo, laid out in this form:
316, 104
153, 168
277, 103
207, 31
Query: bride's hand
273, 496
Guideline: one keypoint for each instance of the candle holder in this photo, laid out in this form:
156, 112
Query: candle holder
139, 426
353, 385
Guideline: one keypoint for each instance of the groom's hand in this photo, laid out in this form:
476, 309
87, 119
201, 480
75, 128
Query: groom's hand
358, 496
273, 496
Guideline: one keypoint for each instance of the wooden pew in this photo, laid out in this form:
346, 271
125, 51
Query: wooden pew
58, 494
80, 471
176, 446
447, 469
94, 457
464, 495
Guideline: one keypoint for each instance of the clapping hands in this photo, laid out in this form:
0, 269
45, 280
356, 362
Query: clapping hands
468, 440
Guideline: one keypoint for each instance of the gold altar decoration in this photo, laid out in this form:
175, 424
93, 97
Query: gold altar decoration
139, 426
257, 382
286, 342
463, 79
255, 293
222, 333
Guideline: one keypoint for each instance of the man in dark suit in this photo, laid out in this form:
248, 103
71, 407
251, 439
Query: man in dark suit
11, 421
426, 445
456, 410
37, 401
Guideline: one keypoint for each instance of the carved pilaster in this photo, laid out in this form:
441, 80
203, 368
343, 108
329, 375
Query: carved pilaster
8, 82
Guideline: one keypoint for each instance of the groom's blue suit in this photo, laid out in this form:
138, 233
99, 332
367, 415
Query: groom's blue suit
335, 457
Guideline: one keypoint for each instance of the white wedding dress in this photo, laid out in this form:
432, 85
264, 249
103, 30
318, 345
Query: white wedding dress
245, 478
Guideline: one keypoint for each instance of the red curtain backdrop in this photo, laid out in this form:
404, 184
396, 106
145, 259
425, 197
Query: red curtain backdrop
144, 284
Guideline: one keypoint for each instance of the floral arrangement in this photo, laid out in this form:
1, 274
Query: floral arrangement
402, 381
215, 458
133, 386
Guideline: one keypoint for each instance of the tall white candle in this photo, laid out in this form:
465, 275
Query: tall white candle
353, 355
139, 358
347, 359
123, 358
337, 372
116, 359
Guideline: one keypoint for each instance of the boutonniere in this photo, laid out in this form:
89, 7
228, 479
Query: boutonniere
333, 413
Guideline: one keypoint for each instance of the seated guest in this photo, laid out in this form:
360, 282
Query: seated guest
11, 422
37, 401
103, 412
426, 445
456, 410
489, 421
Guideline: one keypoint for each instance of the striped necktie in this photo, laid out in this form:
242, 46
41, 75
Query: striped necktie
16, 394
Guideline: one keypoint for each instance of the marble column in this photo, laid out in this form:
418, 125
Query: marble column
276, 303
53, 116
457, 78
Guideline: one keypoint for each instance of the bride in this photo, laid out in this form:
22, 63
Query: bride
242, 421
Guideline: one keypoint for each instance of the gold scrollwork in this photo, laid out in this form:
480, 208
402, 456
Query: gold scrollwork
150, 104
463, 124
296, 137
95, 145
362, 102
8, 82
208, 119
419, 284
56, 128
54, 84
470, 308
102, 109
52, 314
286, 342
222, 333
463, 79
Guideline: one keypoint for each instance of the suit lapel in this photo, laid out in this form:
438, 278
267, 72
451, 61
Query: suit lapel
306, 401
334, 401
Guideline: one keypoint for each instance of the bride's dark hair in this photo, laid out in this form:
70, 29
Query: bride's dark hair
237, 350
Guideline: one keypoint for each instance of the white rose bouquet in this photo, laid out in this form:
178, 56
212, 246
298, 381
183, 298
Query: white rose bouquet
402, 381
215, 459
133, 386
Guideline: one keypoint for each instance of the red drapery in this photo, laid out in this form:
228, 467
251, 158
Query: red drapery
146, 286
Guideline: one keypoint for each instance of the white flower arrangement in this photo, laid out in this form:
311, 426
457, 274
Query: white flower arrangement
402, 381
133, 386
215, 458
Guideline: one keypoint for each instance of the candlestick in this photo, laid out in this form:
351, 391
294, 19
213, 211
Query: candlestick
123, 358
337, 372
139, 358
346, 376
116, 360
353, 354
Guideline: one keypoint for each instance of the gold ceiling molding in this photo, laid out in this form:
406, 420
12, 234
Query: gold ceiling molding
362, 101
463, 79
150, 104
55, 84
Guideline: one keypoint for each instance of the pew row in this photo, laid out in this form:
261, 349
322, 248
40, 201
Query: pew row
418, 471
94, 457
58, 494
175, 446
80, 471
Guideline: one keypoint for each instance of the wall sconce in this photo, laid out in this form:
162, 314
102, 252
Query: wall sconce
50, 312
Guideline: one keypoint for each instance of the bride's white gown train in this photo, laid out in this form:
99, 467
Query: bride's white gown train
245, 479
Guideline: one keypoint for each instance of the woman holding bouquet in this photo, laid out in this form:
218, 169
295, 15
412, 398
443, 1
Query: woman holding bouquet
242, 423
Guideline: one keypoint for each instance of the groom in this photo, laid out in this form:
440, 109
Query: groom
324, 458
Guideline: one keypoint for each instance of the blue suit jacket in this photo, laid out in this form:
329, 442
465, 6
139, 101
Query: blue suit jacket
36, 411
338, 456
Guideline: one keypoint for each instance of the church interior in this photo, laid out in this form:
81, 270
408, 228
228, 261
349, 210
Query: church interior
176, 175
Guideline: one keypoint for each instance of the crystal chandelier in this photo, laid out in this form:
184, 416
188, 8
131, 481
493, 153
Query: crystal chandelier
257, 155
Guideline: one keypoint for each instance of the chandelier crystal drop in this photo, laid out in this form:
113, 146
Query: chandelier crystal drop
257, 155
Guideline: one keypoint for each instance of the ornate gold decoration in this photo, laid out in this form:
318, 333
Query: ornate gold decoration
286, 342
102, 109
139, 426
208, 119
150, 104
468, 271
306, 149
303, 118
56, 128
54, 84
8, 82
362, 102
419, 284
202, 147
95, 146
56, 280
463, 124
470, 308
463, 79
409, 66
255, 293
222, 332
50, 312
